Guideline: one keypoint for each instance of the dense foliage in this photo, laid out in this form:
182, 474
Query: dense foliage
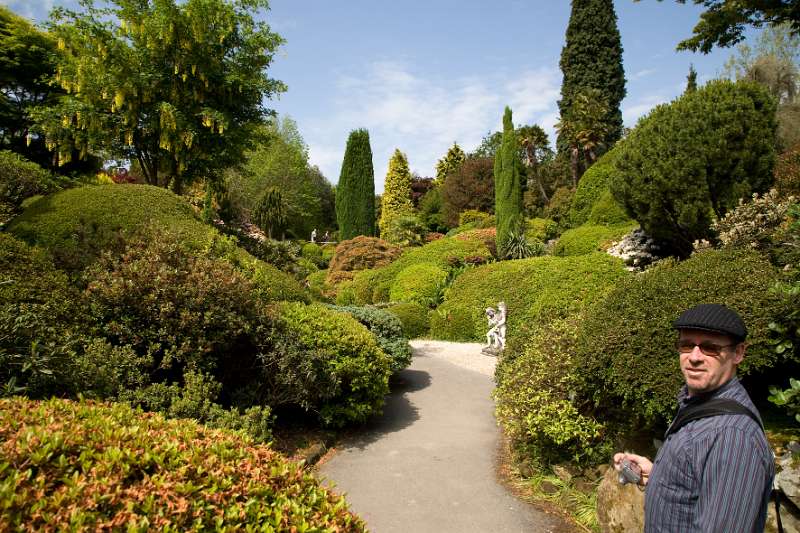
469, 186
421, 283
20, 179
448, 164
507, 185
534, 397
388, 329
623, 349
592, 59
692, 159
350, 371
554, 287
360, 253
182, 98
167, 474
355, 191
592, 187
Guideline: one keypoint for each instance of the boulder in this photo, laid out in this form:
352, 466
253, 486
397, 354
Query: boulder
620, 508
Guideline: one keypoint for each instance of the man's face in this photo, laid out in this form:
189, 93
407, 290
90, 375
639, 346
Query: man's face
703, 372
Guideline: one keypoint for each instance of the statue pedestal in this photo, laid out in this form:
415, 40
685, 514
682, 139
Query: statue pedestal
490, 351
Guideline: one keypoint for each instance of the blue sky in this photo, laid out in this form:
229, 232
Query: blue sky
421, 74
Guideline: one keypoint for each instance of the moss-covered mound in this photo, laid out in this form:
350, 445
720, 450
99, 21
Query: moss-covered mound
373, 286
535, 291
625, 344
78, 224
591, 238
72, 466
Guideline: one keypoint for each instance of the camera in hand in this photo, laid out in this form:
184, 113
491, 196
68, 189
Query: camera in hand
630, 473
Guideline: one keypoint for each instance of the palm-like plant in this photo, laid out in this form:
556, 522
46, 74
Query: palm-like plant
584, 128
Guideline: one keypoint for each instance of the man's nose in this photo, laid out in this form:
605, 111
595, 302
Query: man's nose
696, 355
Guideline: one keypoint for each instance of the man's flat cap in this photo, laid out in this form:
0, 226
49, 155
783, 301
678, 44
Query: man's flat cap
712, 317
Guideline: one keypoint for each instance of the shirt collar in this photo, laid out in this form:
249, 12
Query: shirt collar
685, 399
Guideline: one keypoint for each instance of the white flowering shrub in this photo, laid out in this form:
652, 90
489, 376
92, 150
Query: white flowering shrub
752, 224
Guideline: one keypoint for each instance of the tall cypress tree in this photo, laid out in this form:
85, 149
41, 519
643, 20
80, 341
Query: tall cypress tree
396, 199
355, 192
507, 184
592, 59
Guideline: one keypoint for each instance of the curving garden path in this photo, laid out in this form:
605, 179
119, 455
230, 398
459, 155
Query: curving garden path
429, 463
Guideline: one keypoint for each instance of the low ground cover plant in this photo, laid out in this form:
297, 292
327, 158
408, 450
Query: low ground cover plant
590, 238
61, 458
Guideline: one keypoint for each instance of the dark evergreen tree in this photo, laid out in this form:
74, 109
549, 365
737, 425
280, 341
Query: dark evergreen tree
691, 80
592, 59
355, 192
507, 184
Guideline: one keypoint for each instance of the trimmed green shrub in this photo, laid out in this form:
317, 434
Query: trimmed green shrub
349, 358
690, 161
313, 252
413, 316
388, 329
540, 229
559, 207
345, 295
316, 284
587, 239
593, 184
625, 345
364, 286
21, 179
421, 283
607, 211
270, 284
77, 225
534, 399
535, 291
167, 474
361, 253
483, 220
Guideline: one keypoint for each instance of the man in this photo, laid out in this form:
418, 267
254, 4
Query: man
712, 474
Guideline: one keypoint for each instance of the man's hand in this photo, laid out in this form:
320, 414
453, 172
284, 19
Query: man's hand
643, 462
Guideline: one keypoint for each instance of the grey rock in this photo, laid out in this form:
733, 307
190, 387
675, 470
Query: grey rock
620, 508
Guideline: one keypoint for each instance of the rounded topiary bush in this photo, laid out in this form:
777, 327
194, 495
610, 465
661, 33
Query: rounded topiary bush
591, 187
352, 372
589, 238
414, 318
21, 179
76, 225
271, 284
535, 291
362, 253
166, 474
540, 229
607, 211
421, 283
313, 252
388, 329
625, 348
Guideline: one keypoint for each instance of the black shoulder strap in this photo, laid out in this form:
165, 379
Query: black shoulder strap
713, 407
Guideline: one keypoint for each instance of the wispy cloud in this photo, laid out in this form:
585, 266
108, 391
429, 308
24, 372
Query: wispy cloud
643, 74
631, 112
424, 115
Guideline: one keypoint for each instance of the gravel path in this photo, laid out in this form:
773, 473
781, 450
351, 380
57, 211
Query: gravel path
428, 464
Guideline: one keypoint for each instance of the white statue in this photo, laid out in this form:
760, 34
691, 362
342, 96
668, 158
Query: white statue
314, 235
496, 336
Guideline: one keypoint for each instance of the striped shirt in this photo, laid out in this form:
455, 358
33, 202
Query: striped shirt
712, 475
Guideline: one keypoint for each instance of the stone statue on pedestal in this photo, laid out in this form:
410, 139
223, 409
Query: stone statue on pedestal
496, 336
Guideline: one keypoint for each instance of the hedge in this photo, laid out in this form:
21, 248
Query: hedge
60, 458
625, 346
388, 330
352, 372
589, 238
420, 283
21, 179
76, 225
535, 290
591, 187
445, 253
414, 318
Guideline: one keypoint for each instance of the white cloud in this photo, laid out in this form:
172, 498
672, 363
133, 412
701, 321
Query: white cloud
36, 10
423, 116
632, 112
643, 74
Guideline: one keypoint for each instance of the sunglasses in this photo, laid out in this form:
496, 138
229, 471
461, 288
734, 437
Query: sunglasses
707, 347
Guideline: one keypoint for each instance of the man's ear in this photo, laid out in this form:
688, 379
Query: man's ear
739, 352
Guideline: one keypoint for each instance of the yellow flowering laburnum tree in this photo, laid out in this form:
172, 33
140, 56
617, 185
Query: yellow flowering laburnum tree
178, 87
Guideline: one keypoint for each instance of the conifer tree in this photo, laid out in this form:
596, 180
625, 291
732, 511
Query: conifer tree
270, 212
449, 163
592, 59
507, 184
396, 200
691, 80
355, 192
